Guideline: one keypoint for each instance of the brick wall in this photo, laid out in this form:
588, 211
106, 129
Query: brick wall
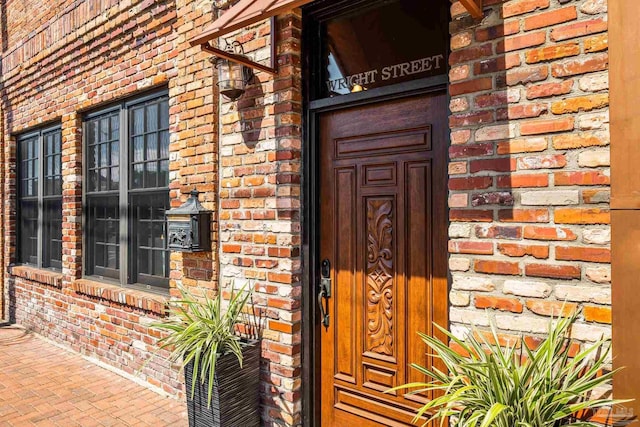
528, 180
76, 56
529, 169
260, 202
72, 57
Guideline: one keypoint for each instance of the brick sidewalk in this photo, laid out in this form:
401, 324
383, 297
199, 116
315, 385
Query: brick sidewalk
43, 385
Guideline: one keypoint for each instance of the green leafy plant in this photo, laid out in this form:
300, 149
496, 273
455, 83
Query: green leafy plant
513, 385
202, 329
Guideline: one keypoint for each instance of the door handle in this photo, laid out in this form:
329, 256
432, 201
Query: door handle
325, 292
322, 301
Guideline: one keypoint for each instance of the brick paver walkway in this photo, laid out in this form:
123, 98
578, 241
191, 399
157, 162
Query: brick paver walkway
43, 385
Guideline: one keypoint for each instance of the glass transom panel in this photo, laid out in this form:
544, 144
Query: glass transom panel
397, 42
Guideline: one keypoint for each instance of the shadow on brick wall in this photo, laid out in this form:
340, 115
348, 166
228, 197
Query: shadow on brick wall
529, 160
492, 157
260, 211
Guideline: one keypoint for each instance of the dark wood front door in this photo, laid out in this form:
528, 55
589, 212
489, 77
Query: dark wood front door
383, 231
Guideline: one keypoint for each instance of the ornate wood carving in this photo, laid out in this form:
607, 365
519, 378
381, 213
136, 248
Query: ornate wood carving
380, 276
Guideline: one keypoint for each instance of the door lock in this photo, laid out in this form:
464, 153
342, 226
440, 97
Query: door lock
324, 292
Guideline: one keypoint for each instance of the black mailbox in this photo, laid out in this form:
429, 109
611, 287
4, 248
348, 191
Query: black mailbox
189, 226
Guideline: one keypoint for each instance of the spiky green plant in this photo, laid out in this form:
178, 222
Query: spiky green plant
513, 385
200, 330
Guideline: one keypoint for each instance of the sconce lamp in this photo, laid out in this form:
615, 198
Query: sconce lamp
235, 70
233, 76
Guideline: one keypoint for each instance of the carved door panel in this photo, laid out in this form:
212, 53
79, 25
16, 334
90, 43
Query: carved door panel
383, 229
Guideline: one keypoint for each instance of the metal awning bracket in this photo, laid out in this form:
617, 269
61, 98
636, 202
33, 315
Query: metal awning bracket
240, 59
474, 7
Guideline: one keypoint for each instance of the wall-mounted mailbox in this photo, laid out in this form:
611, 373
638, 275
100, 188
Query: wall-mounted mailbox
189, 226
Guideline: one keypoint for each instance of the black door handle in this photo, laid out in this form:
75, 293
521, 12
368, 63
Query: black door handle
324, 292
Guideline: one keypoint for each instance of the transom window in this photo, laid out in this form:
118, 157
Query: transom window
378, 43
127, 192
40, 198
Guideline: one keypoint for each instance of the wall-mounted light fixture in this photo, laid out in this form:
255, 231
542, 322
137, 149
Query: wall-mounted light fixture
235, 69
242, 14
233, 77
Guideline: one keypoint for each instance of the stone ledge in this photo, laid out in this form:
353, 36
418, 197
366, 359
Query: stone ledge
46, 277
137, 299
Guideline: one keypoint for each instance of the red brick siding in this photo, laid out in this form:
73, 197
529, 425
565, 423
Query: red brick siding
76, 56
260, 208
530, 136
71, 57
529, 193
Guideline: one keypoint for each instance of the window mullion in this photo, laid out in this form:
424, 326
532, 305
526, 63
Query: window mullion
123, 196
40, 174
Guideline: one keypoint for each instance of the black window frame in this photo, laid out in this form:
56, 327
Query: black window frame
48, 233
129, 247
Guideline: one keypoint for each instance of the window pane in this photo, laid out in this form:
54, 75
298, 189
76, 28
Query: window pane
163, 174
104, 129
137, 175
100, 230
164, 114
92, 158
113, 255
137, 121
48, 179
144, 261
150, 257
158, 263
115, 153
99, 252
104, 179
157, 232
93, 179
28, 235
103, 152
144, 233
152, 118
57, 185
149, 142
152, 146
150, 177
52, 163
103, 236
115, 128
52, 219
28, 166
112, 231
104, 155
92, 132
164, 145
138, 149
115, 178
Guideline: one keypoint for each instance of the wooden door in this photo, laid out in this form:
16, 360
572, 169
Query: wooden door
383, 230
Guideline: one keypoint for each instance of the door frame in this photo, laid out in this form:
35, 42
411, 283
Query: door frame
312, 16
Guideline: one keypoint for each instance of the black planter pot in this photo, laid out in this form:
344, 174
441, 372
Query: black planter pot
235, 399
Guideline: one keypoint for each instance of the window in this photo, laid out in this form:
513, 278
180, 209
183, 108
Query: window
127, 193
40, 198
364, 47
